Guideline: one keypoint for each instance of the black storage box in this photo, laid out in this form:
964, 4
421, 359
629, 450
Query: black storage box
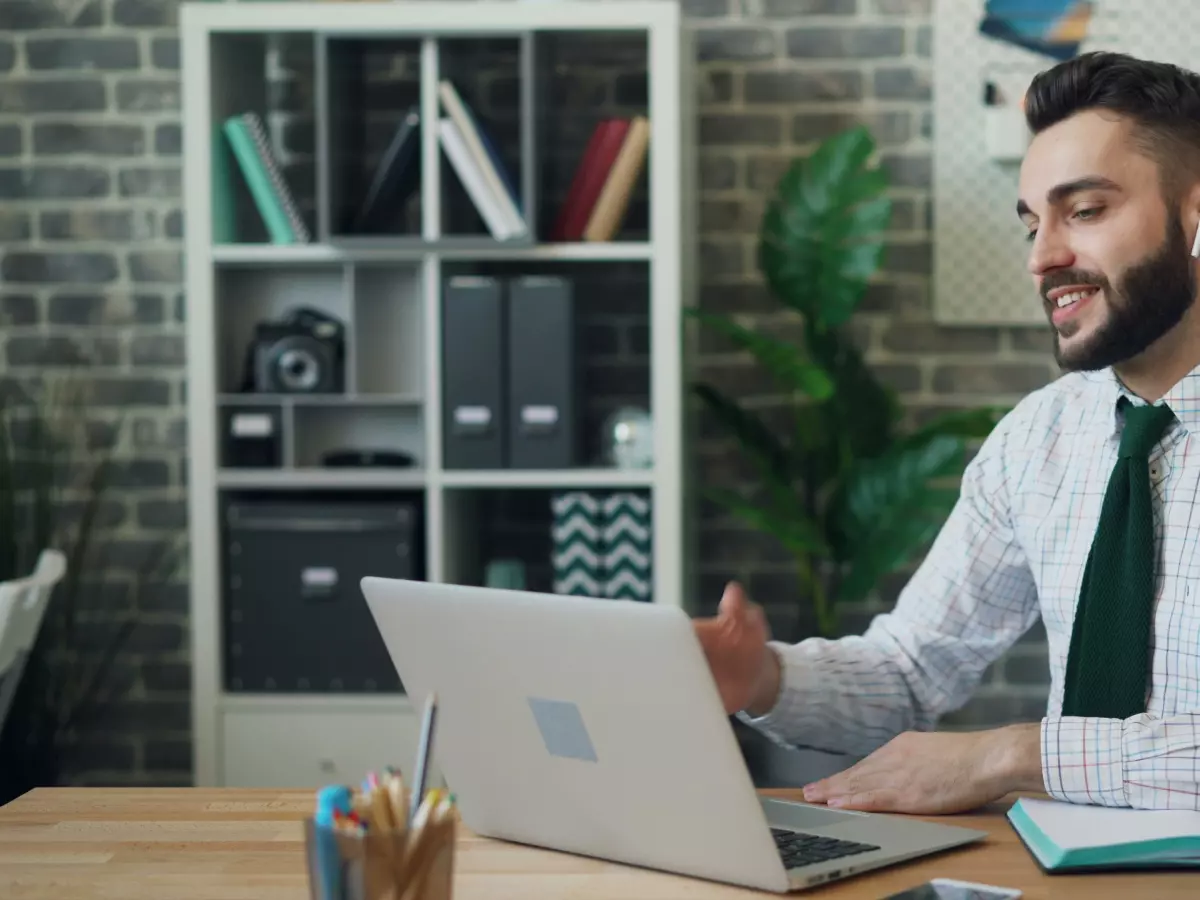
252, 438
295, 620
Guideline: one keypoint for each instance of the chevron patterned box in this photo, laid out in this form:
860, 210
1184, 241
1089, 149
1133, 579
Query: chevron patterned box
602, 544
576, 550
625, 538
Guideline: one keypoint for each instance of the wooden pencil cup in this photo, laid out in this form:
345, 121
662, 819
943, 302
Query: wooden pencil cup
379, 866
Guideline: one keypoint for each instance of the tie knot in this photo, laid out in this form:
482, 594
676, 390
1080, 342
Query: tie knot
1144, 425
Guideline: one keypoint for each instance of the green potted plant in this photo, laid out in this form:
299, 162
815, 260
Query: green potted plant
54, 483
849, 495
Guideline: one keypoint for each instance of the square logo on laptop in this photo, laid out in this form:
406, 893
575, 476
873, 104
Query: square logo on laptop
562, 728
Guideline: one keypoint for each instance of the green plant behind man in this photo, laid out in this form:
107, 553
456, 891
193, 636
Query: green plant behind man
849, 495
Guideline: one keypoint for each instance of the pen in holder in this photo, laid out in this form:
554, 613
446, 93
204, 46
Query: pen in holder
357, 859
389, 841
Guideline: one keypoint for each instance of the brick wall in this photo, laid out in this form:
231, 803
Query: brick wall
91, 267
91, 272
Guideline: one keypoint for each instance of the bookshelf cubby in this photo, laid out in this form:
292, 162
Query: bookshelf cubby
582, 79
323, 332
371, 97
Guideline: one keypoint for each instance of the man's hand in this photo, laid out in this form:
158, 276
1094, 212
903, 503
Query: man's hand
735, 645
938, 772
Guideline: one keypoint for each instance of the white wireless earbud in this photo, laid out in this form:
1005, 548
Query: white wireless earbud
1196, 244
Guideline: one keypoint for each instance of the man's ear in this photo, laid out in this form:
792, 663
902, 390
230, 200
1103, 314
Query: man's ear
1192, 208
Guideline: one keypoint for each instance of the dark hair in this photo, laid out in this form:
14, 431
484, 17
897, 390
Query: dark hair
1161, 100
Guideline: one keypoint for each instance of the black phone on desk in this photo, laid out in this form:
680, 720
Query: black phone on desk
952, 889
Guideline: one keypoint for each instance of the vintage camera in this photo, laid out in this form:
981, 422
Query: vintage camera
302, 353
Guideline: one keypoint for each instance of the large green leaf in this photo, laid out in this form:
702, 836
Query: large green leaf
786, 362
863, 412
798, 533
910, 529
821, 237
765, 450
880, 514
875, 488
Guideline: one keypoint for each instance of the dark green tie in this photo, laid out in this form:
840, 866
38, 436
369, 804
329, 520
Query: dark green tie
1106, 665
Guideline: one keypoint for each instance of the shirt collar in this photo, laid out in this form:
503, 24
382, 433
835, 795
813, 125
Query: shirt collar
1183, 398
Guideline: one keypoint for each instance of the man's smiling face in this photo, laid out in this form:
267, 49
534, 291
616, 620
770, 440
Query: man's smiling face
1108, 252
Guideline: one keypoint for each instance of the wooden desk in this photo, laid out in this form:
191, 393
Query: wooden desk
237, 844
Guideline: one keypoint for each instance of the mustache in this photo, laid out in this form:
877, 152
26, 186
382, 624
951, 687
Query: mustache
1064, 277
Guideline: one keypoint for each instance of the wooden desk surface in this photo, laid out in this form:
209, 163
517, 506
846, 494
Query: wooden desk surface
237, 844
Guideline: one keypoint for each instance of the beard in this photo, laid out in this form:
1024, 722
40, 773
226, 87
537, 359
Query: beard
1152, 298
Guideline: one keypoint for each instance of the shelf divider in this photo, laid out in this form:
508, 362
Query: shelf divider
528, 110
287, 429
414, 249
350, 375
322, 75
316, 478
547, 478
431, 181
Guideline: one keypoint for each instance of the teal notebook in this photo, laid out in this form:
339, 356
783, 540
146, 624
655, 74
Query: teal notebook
1068, 837
247, 139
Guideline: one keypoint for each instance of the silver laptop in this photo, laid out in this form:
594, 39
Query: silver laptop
595, 727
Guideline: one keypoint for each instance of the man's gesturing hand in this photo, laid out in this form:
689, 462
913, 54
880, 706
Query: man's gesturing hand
938, 772
735, 645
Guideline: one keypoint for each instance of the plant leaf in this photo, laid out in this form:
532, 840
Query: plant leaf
821, 237
893, 547
877, 487
884, 511
753, 436
797, 532
863, 413
783, 360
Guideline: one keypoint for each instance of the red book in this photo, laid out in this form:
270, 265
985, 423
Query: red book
598, 157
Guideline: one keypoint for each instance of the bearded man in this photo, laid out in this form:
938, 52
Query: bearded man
1080, 508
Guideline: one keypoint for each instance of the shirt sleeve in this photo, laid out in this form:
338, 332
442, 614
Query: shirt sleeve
1146, 762
970, 599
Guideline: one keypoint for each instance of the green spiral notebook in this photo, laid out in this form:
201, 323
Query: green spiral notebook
247, 137
1068, 837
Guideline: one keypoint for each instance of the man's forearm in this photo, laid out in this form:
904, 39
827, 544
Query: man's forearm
1014, 762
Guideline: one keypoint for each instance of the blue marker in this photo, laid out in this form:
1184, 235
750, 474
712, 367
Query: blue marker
330, 800
334, 798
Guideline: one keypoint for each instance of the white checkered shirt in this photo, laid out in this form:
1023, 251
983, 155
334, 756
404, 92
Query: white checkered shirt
1014, 548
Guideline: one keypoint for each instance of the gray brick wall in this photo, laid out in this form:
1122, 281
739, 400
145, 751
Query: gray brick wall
91, 266
91, 272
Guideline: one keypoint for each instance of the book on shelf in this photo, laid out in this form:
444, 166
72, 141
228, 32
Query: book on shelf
1070, 837
598, 196
247, 140
612, 204
479, 166
469, 174
396, 176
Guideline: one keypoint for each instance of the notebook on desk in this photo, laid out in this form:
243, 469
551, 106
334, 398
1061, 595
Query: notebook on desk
1068, 837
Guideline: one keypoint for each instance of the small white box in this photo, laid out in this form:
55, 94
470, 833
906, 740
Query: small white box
1005, 132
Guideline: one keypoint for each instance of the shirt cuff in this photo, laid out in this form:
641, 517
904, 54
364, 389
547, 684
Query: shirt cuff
1083, 760
795, 679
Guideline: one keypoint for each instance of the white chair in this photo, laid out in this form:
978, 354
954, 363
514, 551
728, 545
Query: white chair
23, 603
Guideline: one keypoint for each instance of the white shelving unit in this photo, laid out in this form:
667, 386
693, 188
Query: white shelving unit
388, 291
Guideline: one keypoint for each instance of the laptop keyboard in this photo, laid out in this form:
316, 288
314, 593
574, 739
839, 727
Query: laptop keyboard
800, 849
